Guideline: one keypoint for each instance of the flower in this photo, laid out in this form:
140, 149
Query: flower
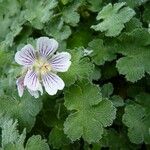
40, 67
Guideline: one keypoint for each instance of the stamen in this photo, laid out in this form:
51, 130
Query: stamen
41, 66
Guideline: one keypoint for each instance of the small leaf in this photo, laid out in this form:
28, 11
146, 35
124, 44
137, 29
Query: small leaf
137, 119
107, 90
101, 53
134, 3
57, 138
36, 143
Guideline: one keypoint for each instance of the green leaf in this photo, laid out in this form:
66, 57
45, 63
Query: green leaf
113, 18
133, 24
96, 74
90, 112
107, 90
137, 119
70, 16
57, 138
40, 14
64, 2
135, 48
12, 140
9, 11
59, 31
101, 53
134, 3
143, 99
11, 22
80, 38
146, 14
70, 13
117, 101
9, 133
94, 5
81, 68
36, 143
116, 140
24, 109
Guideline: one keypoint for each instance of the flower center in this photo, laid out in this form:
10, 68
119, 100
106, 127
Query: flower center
42, 66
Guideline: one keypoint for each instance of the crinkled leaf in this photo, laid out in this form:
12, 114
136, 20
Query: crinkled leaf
113, 18
94, 5
137, 119
136, 53
117, 101
115, 140
12, 140
90, 114
40, 14
101, 53
134, 3
133, 24
57, 138
24, 109
70, 16
11, 22
107, 90
96, 74
59, 31
9, 132
36, 143
8, 12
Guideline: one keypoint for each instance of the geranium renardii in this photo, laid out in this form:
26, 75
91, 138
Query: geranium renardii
40, 67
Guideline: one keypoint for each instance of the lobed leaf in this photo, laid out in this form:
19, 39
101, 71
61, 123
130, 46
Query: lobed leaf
113, 18
137, 119
90, 114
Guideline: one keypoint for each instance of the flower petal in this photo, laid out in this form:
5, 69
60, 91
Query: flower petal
31, 80
40, 89
46, 46
52, 83
34, 93
26, 56
20, 86
60, 62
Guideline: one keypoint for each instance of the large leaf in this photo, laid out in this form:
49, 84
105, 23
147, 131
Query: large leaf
90, 113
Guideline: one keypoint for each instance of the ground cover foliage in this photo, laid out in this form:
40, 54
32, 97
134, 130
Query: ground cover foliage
106, 102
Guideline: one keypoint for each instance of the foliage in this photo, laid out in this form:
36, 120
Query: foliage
91, 115
12, 140
114, 18
105, 102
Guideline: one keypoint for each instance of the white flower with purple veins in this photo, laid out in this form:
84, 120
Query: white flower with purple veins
40, 67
